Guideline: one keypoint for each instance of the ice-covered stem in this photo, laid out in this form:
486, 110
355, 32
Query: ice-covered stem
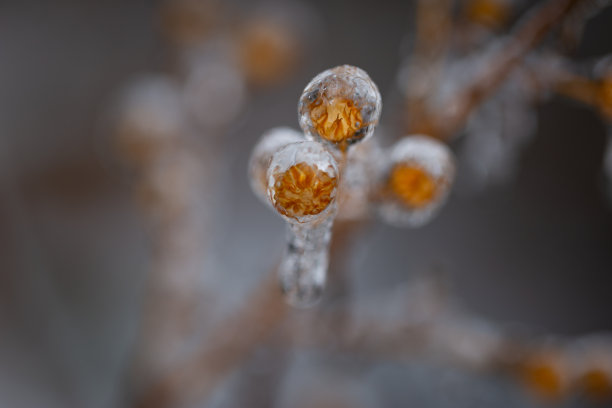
303, 269
500, 62
589, 83
302, 185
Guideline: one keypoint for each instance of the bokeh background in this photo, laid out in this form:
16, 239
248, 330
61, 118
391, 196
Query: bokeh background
75, 248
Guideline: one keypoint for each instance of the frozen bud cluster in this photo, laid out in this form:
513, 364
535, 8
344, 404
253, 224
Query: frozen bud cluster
149, 117
305, 183
416, 182
268, 144
340, 106
302, 182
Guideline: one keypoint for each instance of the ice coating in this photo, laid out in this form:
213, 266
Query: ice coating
340, 106
416, 182
303, 270
496, 135
268, 144
302, 182
358, 178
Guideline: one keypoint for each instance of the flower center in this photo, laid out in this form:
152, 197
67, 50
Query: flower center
303, 190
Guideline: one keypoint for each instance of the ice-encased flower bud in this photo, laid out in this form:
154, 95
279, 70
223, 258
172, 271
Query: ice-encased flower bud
269, 143
302, 186
416, 181
340, 106
302, 182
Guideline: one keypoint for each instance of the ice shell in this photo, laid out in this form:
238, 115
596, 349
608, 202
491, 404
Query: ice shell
302, 182
434, 168
268, 144
340, 106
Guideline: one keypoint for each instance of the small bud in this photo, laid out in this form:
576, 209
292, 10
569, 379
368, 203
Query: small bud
340, 106
416, 182
302, 182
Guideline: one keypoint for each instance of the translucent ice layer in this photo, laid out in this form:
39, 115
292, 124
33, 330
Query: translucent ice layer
303, 269
302, 186
302, 182
340, 106
416, 181
358, 179
268, 144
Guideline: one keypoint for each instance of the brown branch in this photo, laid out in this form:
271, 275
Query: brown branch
530, 31
226, 346
231, 342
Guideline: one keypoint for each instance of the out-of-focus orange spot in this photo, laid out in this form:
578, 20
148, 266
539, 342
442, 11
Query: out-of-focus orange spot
490, 13
412, 185
303, 190
605, 96
268, 51
188, 21
597, 384
544, 376
336, 120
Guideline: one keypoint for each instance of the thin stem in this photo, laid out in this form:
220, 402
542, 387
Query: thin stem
303, 269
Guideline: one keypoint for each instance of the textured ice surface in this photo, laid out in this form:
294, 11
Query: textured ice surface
302, 186
433, 163
340, 106
303, 269
358, 179
268, 144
